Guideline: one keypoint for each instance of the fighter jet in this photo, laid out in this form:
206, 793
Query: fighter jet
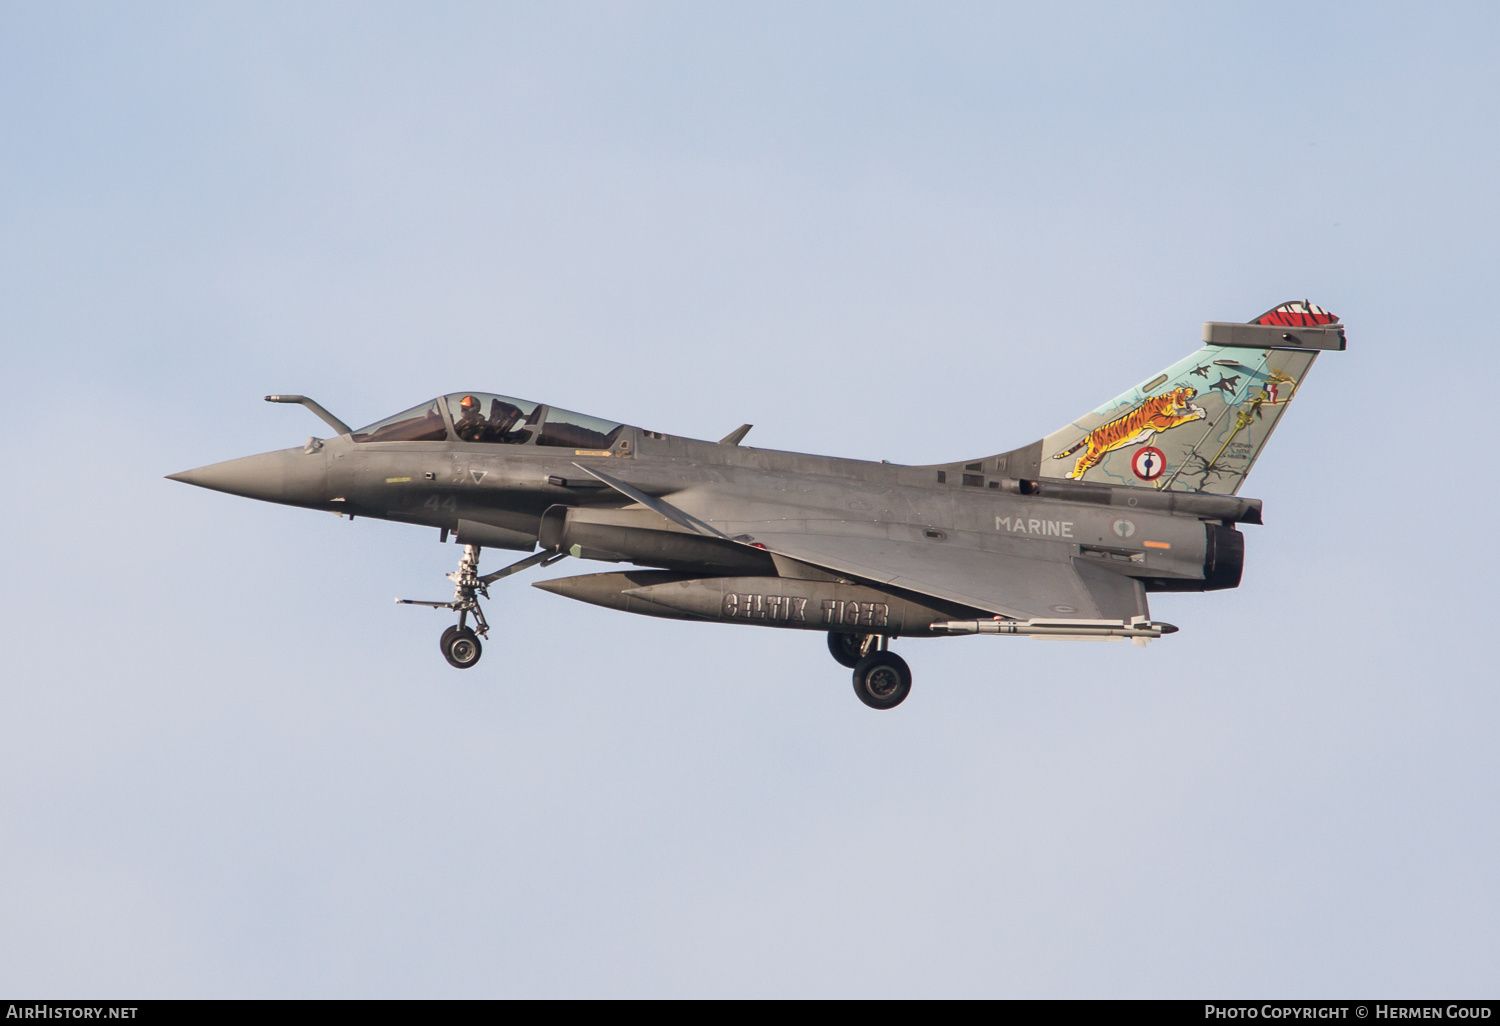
1061, 538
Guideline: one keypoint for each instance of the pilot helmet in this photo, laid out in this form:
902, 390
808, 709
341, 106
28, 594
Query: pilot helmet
469, 404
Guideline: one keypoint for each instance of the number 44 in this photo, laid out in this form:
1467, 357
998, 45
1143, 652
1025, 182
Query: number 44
438, 502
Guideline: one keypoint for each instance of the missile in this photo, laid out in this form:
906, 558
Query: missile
1140, 629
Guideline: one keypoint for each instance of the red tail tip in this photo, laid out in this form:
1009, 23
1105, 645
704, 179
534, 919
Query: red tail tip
1299, 313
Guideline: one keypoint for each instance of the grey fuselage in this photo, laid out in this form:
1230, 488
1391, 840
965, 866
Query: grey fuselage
519, 496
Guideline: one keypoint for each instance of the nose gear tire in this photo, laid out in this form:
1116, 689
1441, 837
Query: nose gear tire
461, 647
882, 680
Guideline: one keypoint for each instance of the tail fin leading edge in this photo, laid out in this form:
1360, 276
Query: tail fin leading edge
1199, 425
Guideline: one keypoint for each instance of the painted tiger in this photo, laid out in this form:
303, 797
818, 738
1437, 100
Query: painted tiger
1159, 413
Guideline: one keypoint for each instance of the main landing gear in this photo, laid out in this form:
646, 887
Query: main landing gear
460, 643
882, 680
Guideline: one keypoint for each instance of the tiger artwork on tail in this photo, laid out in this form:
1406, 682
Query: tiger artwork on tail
1160, 413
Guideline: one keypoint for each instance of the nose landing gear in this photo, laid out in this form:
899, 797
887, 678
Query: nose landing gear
460, 643
460, 647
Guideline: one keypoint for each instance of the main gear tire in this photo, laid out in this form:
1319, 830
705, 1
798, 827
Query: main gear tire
882, 680
447, 634
846, 649
461, 648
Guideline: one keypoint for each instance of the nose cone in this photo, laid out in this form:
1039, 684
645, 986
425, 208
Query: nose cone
289, 476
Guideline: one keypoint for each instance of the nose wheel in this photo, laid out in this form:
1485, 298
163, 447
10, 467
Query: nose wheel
461, 647
460, 643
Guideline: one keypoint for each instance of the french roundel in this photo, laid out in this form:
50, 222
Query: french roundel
1148, 462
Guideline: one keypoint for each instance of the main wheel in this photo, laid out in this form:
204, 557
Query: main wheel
447, 634
461, 648
882, 680
846, 648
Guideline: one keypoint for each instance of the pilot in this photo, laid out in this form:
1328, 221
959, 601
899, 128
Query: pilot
470, 424
503, 417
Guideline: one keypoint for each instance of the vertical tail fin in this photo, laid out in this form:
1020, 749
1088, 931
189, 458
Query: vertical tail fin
1199, 425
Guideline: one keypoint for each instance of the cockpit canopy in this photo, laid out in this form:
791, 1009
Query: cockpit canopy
419, 424
493, 419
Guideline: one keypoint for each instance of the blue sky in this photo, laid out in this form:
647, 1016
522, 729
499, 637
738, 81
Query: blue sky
233, 767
